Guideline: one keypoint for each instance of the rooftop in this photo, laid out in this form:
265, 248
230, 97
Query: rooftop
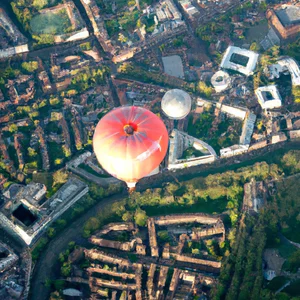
240, 60
268, 97
220, 81
288, 15
173, 66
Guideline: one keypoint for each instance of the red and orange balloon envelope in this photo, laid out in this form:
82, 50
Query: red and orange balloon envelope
130, 142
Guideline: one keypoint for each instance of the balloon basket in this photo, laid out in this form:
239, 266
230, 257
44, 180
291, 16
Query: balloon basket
131, 190
131, 187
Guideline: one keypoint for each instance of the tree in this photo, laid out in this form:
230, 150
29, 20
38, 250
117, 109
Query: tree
291, 161
39, 4
55, 296
66, 150
204, 89
122, 38
61, 257
118, 209
296, 94
92, 224
127, 216
31, 152
59, 284
139, 23
140, 217
66, 269
254, 47
30, 66
60, 224
48, 283
51, 232
96, 192
163, 235
13, 128
44, 39
294, 261
58, 161
59, 177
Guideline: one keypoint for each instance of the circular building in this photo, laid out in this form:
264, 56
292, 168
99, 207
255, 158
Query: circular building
176, 104
220, 81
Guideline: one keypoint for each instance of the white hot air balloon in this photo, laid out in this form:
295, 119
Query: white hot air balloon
176, 104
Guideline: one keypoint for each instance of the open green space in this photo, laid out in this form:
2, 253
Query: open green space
286, 250
92, 171
56, 154
276, 283
201, 205
43, 177
191, 152
51, 23
293, 289
288, 202
255, 33
226, 134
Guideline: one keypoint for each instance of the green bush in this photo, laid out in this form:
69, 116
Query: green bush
30, 66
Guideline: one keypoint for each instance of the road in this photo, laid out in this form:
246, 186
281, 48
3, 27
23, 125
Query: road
48, 264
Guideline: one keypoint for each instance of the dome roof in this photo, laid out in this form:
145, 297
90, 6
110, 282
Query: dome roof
176, 104
220, 81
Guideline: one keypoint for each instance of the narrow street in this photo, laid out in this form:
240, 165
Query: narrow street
47, 264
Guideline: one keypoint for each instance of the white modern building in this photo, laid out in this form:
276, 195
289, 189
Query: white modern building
179, 142
240, 60
233, 150
284, 65
221, 81
268, 97
292, 67
27, 218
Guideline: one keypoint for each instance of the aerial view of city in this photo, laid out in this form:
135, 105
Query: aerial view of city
150, 149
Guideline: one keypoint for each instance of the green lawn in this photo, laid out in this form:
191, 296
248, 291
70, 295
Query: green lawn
56, 152
222, 137
288, 202
276, 283
92, 171
211, 207
293, 289
50, 23
285, 250
45, 178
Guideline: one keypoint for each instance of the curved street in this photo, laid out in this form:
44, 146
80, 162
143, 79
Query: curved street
47, 264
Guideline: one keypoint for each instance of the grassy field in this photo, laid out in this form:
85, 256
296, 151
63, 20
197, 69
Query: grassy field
286, 250
276, 283
293, 289
92, 171
50, 23
226, 134
288, 201
45, 178
211, 207
254, 33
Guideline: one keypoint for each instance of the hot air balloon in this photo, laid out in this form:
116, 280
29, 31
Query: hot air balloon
176, 104
130, 142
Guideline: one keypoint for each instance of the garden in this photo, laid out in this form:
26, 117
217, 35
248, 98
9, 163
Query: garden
54, 23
